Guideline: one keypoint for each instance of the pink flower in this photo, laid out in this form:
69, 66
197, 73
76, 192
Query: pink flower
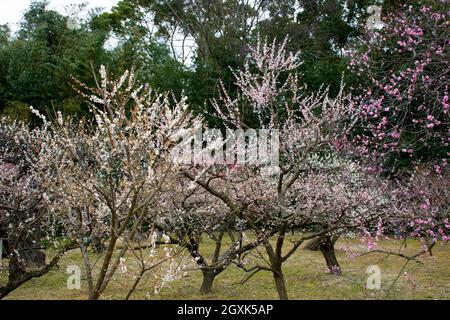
395, 134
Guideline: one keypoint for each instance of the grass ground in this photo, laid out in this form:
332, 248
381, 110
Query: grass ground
305, 272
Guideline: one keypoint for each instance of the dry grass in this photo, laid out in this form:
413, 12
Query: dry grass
306, 277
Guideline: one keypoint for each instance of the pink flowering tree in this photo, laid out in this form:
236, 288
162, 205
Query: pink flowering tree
404, 115
316, 188
423, 199
404, 102
419, 210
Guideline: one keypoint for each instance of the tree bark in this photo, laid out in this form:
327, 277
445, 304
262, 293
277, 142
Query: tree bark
207, 283
32, 258
280, 284
5, 251
313, 244
326, 246
16, 269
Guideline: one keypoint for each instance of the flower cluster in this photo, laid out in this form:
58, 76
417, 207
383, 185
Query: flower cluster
404, 94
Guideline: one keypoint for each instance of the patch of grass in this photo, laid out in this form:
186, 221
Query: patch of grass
306, 277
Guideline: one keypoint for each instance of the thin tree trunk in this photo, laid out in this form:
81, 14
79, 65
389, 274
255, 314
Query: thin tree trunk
430, 244
276, 262
87, 266
135, 284
99, 287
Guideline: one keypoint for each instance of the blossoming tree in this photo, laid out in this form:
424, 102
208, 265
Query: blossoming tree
403, 70
404, 115
106, 177
24, 214
316, 189
194, 214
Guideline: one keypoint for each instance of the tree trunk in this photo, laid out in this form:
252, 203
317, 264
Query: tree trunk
207, 283
280, 284
313, 244
430, 244
326, 246
16, 269
4, 248
29, 250
100, 284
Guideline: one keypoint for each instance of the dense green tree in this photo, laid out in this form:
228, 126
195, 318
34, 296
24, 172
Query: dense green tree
38, 62
320, 30
219, 32
139, 49
222, 30
176, 45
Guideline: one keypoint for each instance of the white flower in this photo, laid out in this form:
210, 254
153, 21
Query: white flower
165, 238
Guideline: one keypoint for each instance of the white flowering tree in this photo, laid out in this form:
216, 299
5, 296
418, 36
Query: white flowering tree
105, 176
24, 215
189, 215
